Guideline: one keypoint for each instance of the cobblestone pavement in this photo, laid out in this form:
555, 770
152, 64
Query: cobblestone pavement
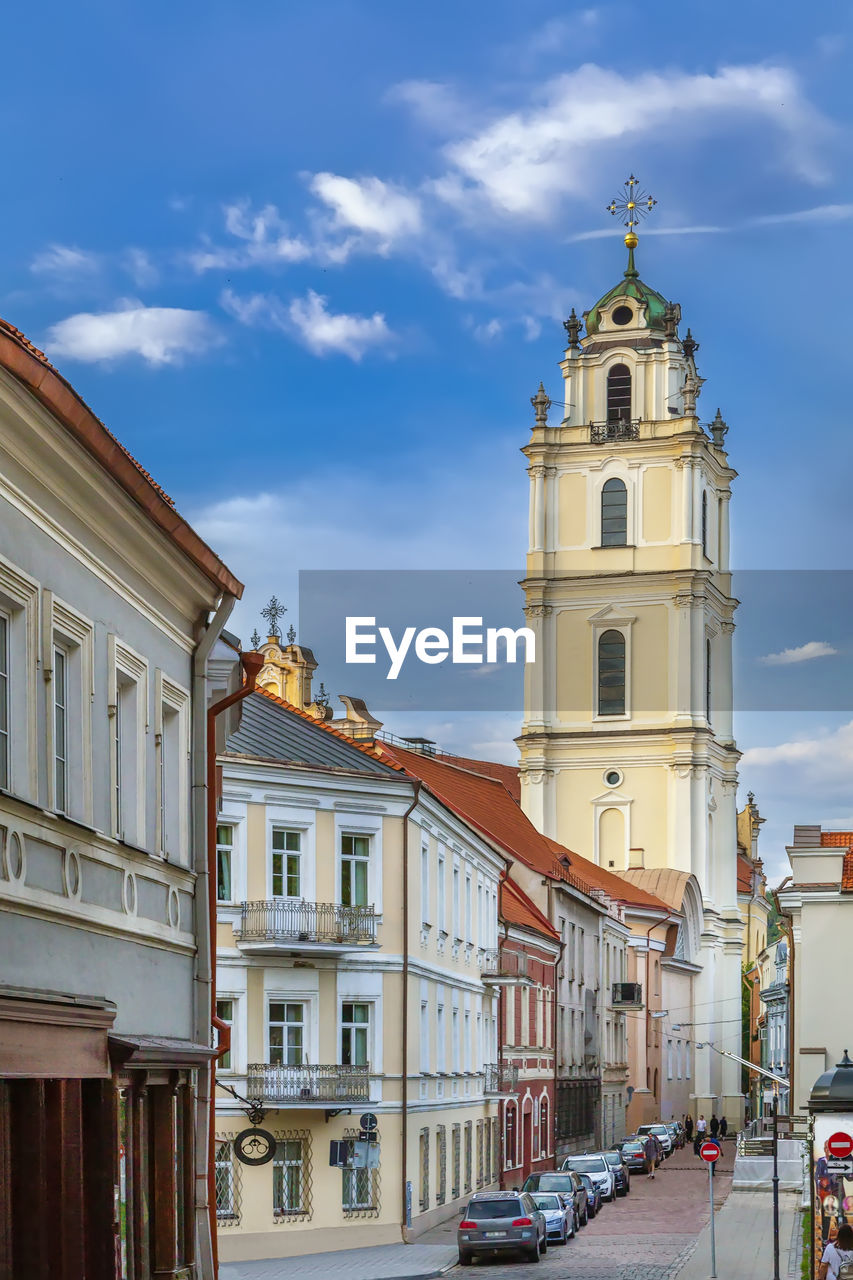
646, 1235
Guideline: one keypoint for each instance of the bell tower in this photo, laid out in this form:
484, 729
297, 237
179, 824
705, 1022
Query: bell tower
627, 753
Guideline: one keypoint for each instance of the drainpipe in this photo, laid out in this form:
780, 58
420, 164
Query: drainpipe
404, 1074
558, 964
210, 633
504, 876
252, 663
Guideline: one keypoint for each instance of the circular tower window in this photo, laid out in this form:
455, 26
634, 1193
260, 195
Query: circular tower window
613, 777
623, 315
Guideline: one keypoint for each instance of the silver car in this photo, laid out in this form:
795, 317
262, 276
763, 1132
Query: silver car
497, 1221
559, 1214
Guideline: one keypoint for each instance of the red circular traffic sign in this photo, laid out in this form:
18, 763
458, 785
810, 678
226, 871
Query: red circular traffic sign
709, 1151
840, 1145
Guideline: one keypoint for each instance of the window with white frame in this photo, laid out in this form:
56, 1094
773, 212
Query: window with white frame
128, 709
456, 905
456, 1064
355, 1033
60, 729
4, 702
669, 1059
227, 1201
425, 906
171, 738
286, 1030
424, 1046
687, 1060
440, 1043
69, 672
469, 908
288, 1177
225, 1013
286, 863
224, 862
440, 894
19, 653
355, 870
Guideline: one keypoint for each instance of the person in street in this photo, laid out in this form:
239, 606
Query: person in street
715, 1126
701, 1130
688, 1128
724, 1126
838, 1254
650, 1151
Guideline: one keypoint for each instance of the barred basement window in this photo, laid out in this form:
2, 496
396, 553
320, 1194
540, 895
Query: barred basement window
456, 1144
619, 394
228, 1186
441, 1163
360, 1191
480, 1161
469, 1142
424, 1163
291, 1176
611, 674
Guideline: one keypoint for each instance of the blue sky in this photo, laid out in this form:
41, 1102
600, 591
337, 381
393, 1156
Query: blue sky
310, 261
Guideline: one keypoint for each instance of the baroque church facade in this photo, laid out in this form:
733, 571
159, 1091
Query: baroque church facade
627, 752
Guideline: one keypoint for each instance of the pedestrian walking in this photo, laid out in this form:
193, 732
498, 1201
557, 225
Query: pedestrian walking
650, 1151
715, 1126
688, 1128
837, 1260
724, 1126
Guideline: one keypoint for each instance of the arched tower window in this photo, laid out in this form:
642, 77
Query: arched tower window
611, 674
704, 523
614, 514
619, 394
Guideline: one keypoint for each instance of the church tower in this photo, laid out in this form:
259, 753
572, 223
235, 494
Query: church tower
627, 754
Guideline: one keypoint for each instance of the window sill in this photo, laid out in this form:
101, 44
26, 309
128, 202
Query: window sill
616, 546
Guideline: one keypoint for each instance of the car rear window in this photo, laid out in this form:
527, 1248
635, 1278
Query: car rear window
547, 1202
632, 1147
612, 1157
554, 1182
588, 1164
493, 1209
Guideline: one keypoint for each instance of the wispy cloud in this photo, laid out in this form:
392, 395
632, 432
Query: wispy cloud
262, 240
381, 213
820, 213
803, 653
157, 335
309, 320
65, 261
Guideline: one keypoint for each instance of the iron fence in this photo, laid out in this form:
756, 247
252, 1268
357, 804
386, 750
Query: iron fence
500, 1077
291, 920
329, 1082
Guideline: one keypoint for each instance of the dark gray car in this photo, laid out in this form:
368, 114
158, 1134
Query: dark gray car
496, 1221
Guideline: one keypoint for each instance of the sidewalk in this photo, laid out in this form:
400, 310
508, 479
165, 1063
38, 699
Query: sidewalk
744, 1239
376, 1262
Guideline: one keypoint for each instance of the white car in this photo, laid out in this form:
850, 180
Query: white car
598, 1169
662, 1134
559, 1215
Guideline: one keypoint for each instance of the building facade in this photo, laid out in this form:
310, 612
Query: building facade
106, 600
358, 932
627, 748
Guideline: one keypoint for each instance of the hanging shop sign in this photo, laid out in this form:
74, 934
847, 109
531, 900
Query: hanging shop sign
254, 1146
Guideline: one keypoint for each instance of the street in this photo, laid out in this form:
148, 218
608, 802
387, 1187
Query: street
646, 1235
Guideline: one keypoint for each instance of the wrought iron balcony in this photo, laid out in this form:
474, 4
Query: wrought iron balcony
301, 1086
267, 926
506, 968
618, 429
500, 1077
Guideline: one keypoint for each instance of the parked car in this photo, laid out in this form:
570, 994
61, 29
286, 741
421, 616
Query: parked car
660, 1132
633, 1155
497, 1221
597, 1168
566, 1184
593, 1195
559, 1214
676, 1132
622, 1177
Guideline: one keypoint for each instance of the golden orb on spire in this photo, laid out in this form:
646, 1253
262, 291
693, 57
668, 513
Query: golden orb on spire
631, 240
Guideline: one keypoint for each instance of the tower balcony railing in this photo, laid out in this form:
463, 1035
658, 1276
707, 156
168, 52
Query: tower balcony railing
617, 429
302, 1085
290, 920
500, 1077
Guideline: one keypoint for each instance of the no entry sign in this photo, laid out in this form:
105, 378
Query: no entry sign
709, 1151
839, 1145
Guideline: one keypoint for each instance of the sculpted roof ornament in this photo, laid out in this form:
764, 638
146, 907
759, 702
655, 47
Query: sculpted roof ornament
541, 405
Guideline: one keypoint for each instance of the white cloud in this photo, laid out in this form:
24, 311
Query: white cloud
803, 653
65, 260
322, 331
263, 240
139, 266
432, 103
159, 335
525, 161
821, 213
489, 331
377, 210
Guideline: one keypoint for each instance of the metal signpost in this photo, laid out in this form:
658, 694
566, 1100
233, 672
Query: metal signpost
709, 1151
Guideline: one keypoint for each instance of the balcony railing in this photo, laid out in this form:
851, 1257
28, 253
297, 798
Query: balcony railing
619, 429
506, 964
305, 1084
499, 1077
291, 920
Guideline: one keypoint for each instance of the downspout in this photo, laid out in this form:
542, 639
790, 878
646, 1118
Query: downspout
203, 976
504, 876
404, 1073
789, 933
252, 663
558, 964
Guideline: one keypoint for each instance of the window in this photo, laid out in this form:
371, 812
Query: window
358, 1189
704, 523
355, 867
669, 1059
440, 1044
614, 513
425, 912
441, 891
456, 905
619, 394
286, 1034
288, 1181
425, 1036
355, 1026
708, 681
286, 864
227, 1206
468, 910
622, 315
225, 1012
224, 851
171, 741
128, 707
60, 729
611, 674
4, 701
454, 1039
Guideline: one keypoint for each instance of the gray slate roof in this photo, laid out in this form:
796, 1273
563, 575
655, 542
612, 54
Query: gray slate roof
272, 732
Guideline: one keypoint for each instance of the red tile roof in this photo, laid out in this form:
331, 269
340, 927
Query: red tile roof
847, 873
744, 873
366, 747
614, 885
516, 908
31, 367
505, 773
837, 839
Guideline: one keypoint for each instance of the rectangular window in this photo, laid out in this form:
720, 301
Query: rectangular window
286, 1034
128, 708
687, 1060
286, 864
224, 852
468, 909
441, 890
456, 905
288, 1180
355, 1027
227, 1208
440, 1047
358, 1189
425, 911
355, 866
225, 1011
669, 1059
424, 1035
454, 1039
60, 729
4, 702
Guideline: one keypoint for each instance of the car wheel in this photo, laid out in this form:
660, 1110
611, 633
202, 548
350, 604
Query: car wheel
585, 1218
533, 1252
564, 1238
576, 1223
465, 1259
543, 1247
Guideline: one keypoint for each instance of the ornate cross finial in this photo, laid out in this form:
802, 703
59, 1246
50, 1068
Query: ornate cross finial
272, 613
541, 405
255, 639
573, 327
291, 634
718, 435
631, 206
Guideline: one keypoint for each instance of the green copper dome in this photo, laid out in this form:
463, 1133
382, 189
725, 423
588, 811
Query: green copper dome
631, 286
